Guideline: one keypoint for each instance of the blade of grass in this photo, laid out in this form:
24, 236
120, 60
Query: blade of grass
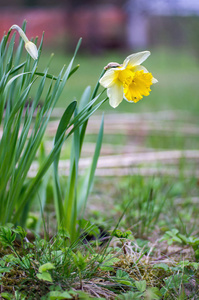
87, 184
60, 135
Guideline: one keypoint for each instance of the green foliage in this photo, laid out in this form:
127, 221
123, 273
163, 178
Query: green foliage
7, 236
44, 276
149, 294
141, 285
174, 236
56, 269
24, 128
174, 282
80, 261
122, 235
43, 272
72, 205
152, 202
123, 278
145, 200
55, 295
182, 69
47, 262
107, 262
162, 266
17, 296
19, 131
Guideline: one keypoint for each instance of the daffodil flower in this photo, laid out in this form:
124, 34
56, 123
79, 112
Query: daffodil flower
129, 80
31, 48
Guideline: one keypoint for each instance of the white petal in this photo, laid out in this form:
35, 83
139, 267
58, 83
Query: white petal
136, 58
141, 68
154, 80
108, 78
128, 100
32, 49
115, 94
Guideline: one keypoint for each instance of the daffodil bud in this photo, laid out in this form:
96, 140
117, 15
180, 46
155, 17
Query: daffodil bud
31, 48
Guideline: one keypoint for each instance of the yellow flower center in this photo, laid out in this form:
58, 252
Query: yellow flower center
137, 86
125, 75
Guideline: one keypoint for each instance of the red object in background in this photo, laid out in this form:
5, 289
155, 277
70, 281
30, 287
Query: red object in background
50, 21
102, 26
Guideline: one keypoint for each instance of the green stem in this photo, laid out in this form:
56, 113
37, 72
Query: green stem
21, 32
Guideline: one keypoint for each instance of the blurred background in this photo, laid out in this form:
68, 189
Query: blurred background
111, 30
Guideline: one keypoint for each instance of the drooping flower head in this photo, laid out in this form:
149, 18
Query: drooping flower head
31, 48
129, 80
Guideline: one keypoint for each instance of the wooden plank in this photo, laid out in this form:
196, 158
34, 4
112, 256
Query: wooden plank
126, 163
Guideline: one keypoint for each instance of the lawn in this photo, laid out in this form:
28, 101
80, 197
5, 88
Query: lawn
132, 233
177, 71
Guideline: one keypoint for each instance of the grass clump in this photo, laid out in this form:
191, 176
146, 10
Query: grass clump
122, 268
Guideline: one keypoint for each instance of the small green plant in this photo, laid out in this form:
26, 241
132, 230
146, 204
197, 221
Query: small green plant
24, 123
142, 293
174, 236
50, 267
44, 272
122, 236
70, 203
17, 296
80, 262
146, 199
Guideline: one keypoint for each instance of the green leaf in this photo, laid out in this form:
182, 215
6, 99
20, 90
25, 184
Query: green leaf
49, 76
124, 282
141, 285
84, 99
121, 234
15, 77
7, 296
24, 135
63, 124
122, 274
46, 267
108, 263
186, 263
5, 270
45, 276
59, 137
17, 68
89, 179
84, 296
21, 231
55, 295
174, 281
7, 237
162, 266
197, 254
80, 261
86, 109
153, 294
